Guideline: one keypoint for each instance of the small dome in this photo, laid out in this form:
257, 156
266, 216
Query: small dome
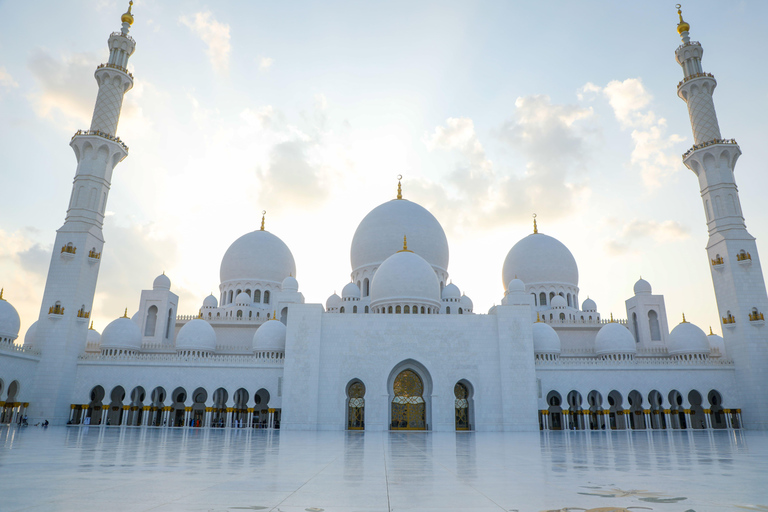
30, 339
136, 319
642, 286
466, 303
270, 337
161, 282
614, 338
588, 305
716, 345
243, 299
290, 284
687, 338
558, 302
122, 333
333, 302
539, 258
210, 302
10, 323
405, 277
516, 286
257, 256
380, 234
196, 334
545, 339
94, 338
350, 291
451, 292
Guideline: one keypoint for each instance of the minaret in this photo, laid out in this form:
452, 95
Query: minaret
732, 253
69, 289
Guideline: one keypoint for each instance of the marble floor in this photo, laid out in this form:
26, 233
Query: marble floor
137, 469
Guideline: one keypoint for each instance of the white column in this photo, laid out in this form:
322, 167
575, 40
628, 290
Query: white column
728, 422
708, 418
647, 415
688, 419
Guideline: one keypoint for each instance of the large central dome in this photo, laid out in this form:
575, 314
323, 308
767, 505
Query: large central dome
257, 256
539, 258
380, 234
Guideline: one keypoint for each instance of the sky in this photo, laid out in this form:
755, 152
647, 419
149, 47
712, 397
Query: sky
491, 111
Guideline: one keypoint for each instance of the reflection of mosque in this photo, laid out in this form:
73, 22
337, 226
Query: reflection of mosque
402, 348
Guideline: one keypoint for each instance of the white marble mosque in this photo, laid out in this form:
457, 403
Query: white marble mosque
402, 348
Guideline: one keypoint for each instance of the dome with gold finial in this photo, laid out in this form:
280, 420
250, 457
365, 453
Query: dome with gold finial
10, 322
127, 17
682, 26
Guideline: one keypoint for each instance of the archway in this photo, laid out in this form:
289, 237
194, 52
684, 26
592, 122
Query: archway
658, 418
554, 402
616, 411
636, 412
462, 393
716, 414
178, 406
156, 409
10, 402
199, 396
576, 417
697, 411
409, 411
136, 411
261, 409
596, 417
240, 414
677, 415
219, 418
93, 416
356, 405
115, 414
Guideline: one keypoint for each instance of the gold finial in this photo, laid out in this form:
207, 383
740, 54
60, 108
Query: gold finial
263, 214
710, 331
405, 245
91, 327
200, 313
682, 26
535, 227
684, 322
125, 315
399, 187
1, 293
128, 17
538, 317
612, 320
274, 314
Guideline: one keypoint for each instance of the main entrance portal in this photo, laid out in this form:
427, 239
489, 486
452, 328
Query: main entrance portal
408, 407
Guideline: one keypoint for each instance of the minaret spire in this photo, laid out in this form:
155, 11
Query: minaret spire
731, 250
72, 275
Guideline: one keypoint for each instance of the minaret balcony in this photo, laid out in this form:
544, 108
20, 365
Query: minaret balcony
56, 311
707, 144
83, 315
120, 34
94, 256
744, 258
68, 251
695, 75
756, 318
718, 262
115, 66
101, 134
729, 321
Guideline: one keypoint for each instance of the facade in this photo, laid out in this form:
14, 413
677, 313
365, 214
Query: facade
402, 347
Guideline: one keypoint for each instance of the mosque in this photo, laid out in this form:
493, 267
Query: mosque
402, 347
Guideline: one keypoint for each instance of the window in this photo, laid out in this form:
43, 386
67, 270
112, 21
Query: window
365, 287
149, 328
354, 309
461, 311
398, 310
230, 297
568, 297
448, 310
169, 325
653, 323
534, 299
366, 309
407, 309
266, 296
239, 313
389, 310
256, 295
542, 299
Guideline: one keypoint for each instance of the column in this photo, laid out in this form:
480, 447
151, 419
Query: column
126, 411
647, 415
728, 422
587, 415
545, 419
708, 418
738, 417
687, 418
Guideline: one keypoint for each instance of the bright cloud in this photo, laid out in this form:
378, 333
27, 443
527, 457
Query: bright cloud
215, 35
651, 154
637, 230
6, 80
265, 63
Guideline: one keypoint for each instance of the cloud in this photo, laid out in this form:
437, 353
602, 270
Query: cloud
478, 193
651, 154
265, 63
291, 176
65, 86
641, 230
215, 35
6, 80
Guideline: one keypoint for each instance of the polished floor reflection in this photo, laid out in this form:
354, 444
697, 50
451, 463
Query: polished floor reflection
82, 468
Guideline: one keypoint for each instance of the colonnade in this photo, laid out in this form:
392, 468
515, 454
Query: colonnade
605, 419
170, 416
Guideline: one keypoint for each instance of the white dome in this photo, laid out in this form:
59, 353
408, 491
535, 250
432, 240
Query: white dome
196, 334
210, 302
94, 338
10, 323
243, 299
451, 292
380, 234
642, 286
466, 303
122, 333
614, 338
716, 345
516, 286
290, 284
558, 302
30, 339
405, 277
588, 305
136, 319
162, 282
539, 258
687, 338
334, 301
350, 291
545, 339
257, 256
270, 337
